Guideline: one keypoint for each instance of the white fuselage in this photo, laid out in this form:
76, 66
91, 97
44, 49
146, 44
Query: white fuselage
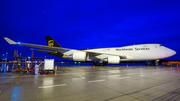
141, 52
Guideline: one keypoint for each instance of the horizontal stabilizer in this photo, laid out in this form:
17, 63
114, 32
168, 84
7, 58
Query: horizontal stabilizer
10, 41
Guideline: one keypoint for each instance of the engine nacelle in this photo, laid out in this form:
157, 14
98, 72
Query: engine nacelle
113, 59
79, 56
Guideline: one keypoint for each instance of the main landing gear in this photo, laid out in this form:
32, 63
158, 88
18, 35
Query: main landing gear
99, 63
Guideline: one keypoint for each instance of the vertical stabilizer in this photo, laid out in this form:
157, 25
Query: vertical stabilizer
51, 42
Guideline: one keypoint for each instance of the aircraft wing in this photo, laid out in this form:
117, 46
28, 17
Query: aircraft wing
45, 51
64, 51
34, 45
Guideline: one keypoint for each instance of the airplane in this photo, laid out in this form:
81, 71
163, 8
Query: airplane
141, 52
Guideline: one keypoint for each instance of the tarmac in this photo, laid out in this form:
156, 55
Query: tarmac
88, 83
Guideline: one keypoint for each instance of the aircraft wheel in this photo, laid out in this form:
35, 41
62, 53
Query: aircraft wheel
104, 64
99, 64
96, 64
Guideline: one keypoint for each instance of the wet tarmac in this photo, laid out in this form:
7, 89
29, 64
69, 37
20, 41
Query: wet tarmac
88, 83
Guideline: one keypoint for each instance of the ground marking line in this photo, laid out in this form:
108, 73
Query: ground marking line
52, 86
124, 77
165, 71
82, 77
77, 78
114, 75
96, 81
156, 73
142, 74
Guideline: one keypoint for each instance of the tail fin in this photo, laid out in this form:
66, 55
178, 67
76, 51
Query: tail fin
51, 42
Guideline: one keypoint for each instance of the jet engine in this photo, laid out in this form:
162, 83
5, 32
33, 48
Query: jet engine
79, 56
113, 59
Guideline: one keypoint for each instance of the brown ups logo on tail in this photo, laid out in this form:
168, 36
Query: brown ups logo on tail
51, 43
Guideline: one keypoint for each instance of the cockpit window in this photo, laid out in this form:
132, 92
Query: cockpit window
160, 45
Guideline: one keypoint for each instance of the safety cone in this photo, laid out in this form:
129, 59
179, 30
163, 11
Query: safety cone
93, 66
7, 68
55, 72
127, 66
56, 67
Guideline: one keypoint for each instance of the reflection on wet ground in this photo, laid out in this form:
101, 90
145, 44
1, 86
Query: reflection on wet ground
87, 83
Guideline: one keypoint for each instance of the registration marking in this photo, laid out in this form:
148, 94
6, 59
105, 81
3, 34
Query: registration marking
52, 86
96, 81
124, 77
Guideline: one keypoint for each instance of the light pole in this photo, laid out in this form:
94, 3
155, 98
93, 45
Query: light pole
3, 56
29, 62
6, 56
2, 59
29, 58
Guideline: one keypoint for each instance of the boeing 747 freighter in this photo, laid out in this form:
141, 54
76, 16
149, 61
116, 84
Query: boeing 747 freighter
141, 52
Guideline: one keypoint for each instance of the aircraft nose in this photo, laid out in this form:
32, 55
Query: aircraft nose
171, 52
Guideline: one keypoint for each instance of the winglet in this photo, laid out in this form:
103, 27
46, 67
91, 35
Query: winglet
10, 41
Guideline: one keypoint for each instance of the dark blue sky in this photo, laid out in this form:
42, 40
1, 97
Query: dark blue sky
89, 24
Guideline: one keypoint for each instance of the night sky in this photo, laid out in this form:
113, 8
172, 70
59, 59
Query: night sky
81, 24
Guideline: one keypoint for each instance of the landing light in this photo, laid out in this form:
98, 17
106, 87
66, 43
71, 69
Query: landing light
18, 43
